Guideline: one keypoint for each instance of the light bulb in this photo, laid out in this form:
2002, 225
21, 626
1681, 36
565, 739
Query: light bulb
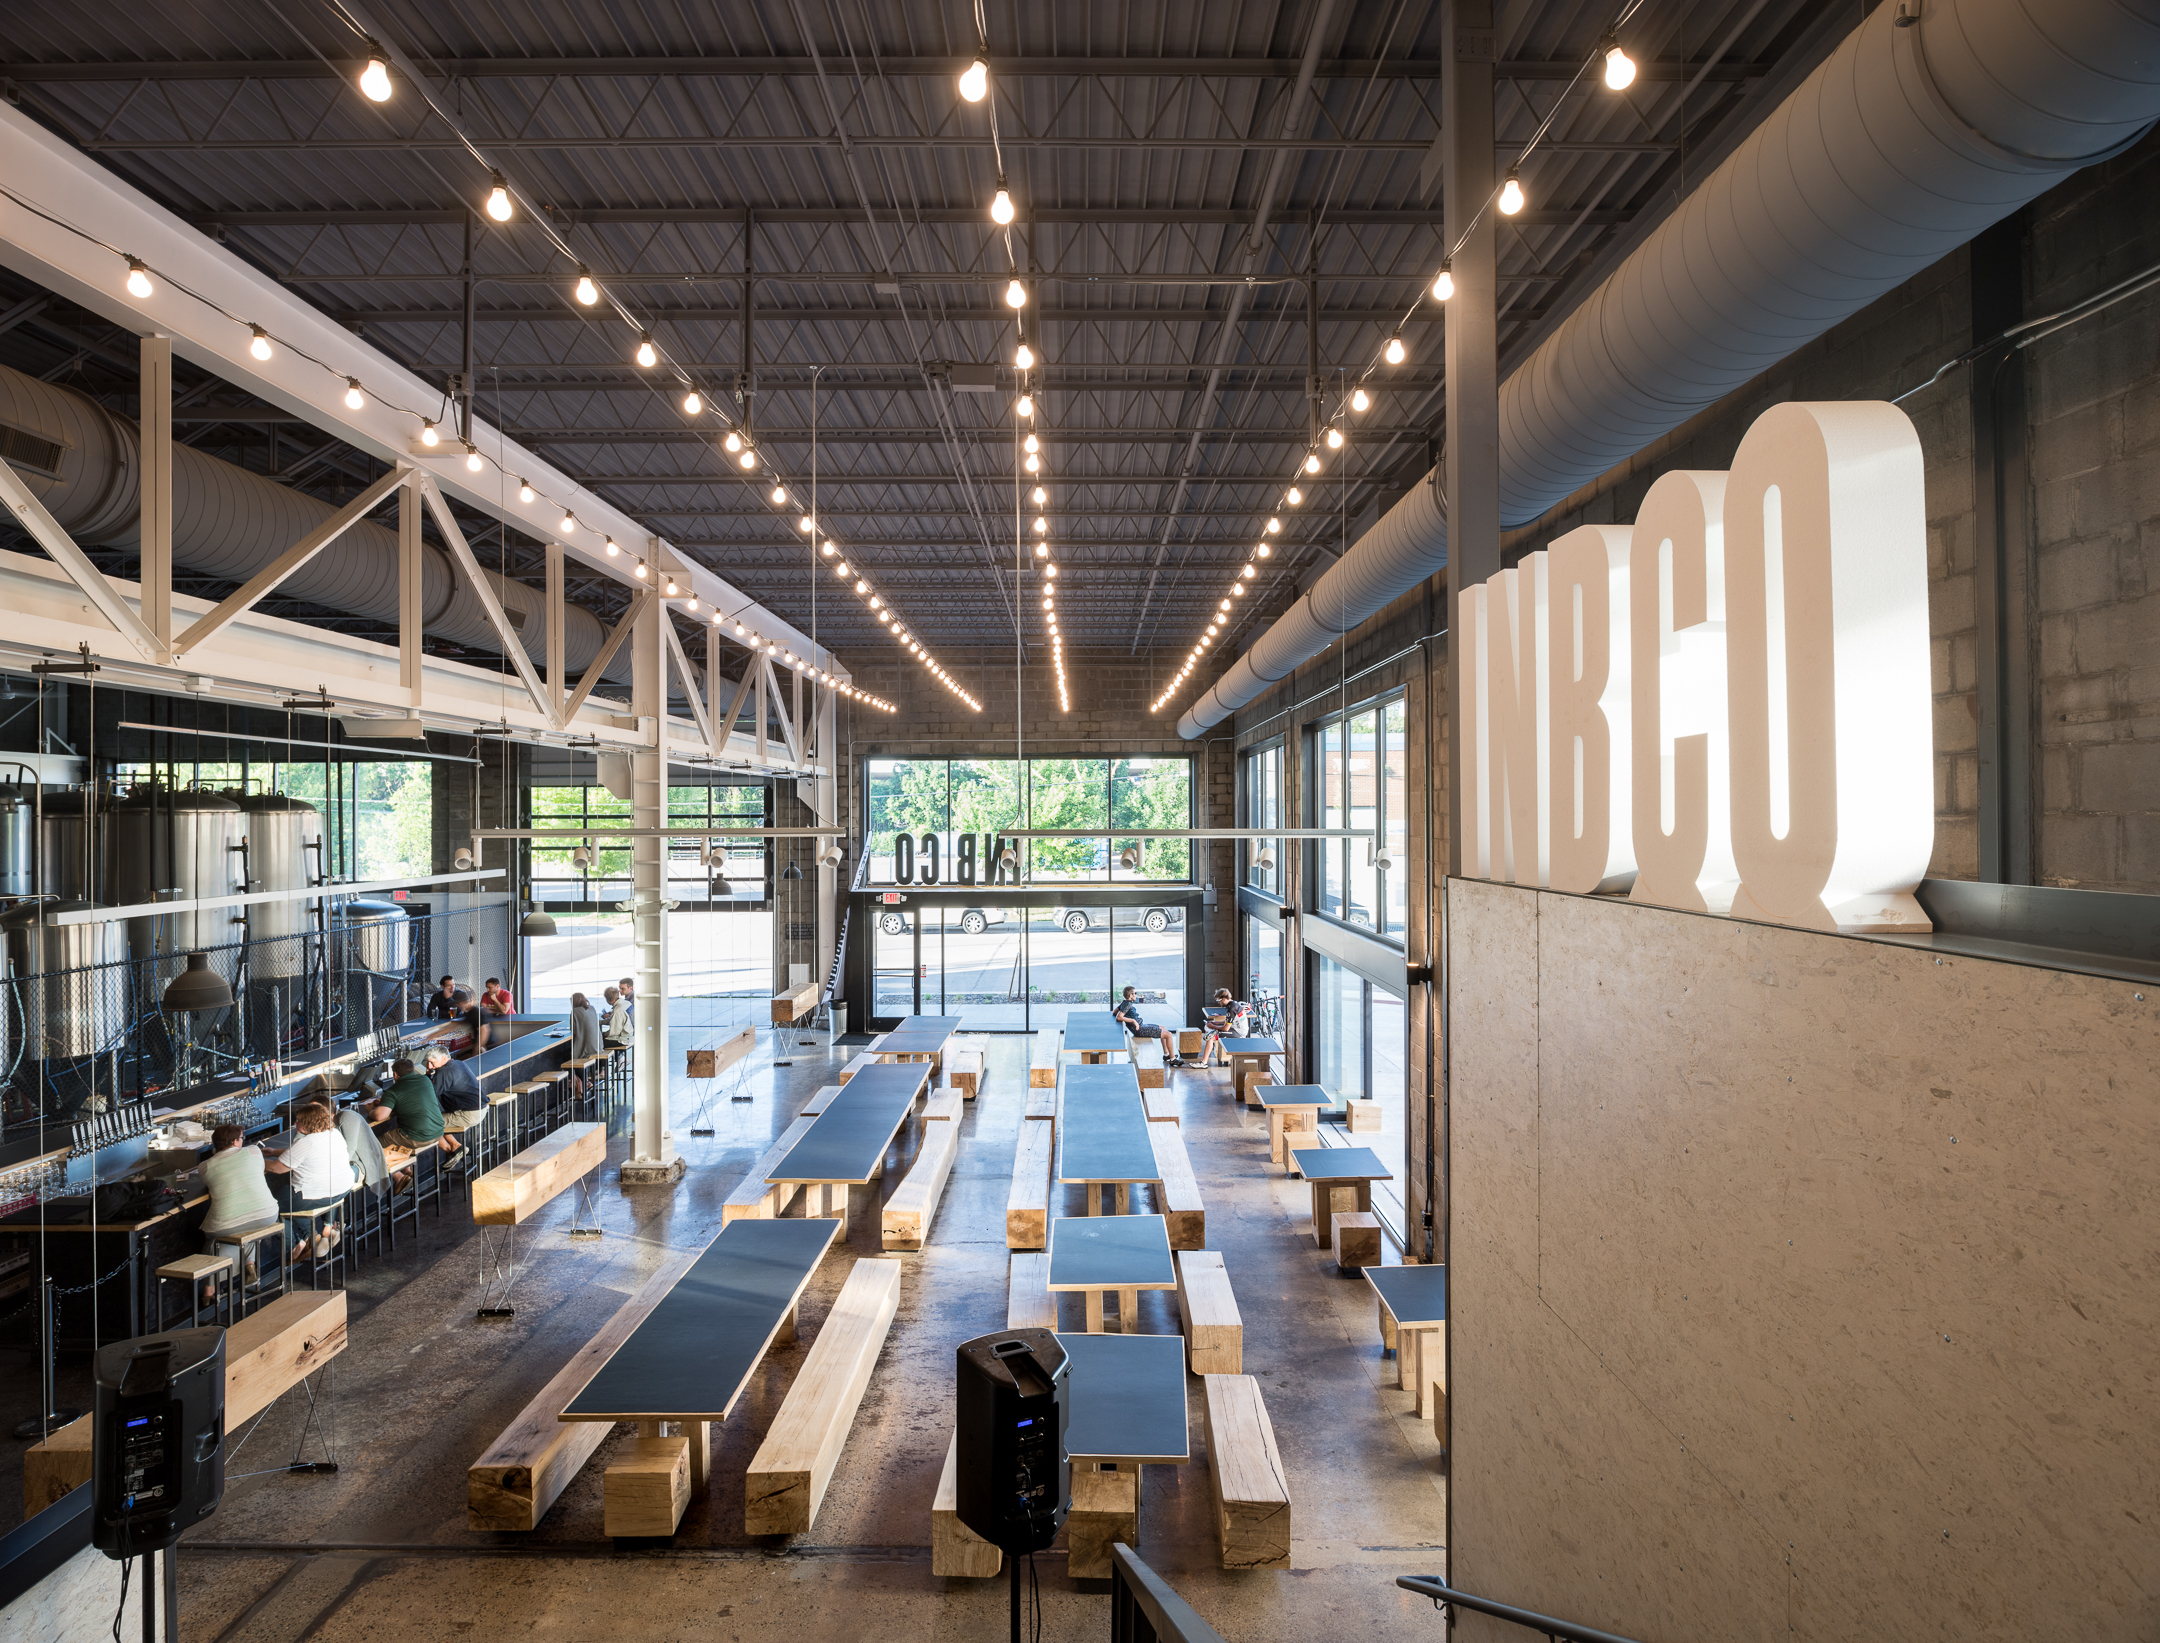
1395, 350
975, 81
1274, 525
1312, 462
862, 587
748, 460
1015, 295
1334, 439
1263, 550
472, 461
779, 496
1001, 210
718, 620
1511, 196
525, 491
692, 606
1040, 496
841, 570
1443, 285
1619, 66
740, 630
647, 355
693, 403
671, 587
806, 524
138, 280
830, 550
354, 398
1360, 400
734, 442
1250, 570
1042, 550
1023, 356
260, 347
612, 549
641, 571
428, 435
1031, 443
498, 201
1050, 570
1026, 407
1034, 464
1041, 524
587, 292
1295, 496
375, 80
569, 522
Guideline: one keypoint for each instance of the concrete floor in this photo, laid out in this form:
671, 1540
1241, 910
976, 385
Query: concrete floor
381, 1548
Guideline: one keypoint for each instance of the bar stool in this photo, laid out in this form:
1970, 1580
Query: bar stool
311, 1227
586, 1070
554, 1086
500, 1128
367, 1219
530, 1116
246, 1247
192, 1272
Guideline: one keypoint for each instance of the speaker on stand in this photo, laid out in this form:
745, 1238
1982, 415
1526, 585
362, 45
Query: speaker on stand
157, 1465
1012, 1479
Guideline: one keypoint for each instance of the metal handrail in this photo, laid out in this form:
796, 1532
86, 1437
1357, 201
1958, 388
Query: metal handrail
1144, 1608
1445, 1596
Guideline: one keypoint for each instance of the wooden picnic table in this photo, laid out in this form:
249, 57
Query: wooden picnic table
1095, 1035
1248, 1056
1125, 1402
1414, 1300
692, 1355
1330, 1167
1096, 1254
1102, 1133
1280, 1102
845, 1146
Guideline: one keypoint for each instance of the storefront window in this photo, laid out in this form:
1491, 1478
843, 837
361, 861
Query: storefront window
952, 799
1360, 1051
1264, 808
1395, 814
1361, 781
1263, 956
1329, 784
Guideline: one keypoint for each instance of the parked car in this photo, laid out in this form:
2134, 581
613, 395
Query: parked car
1079, 920
973, 920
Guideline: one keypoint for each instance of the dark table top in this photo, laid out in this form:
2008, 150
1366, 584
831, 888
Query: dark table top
1413, 1294
914, 1041
1105, 1138
1092, 1031
1085, 1082
1340, 1164
848, 1139
691, 1357
1110, 1252
1252, 1046
947, 1024
1125, 1397
1293, 1095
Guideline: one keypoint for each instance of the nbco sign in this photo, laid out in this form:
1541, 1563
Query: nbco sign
1729, 700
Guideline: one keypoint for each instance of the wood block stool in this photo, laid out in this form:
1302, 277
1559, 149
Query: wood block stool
1356, 1240
647, 1491
1365, 1118
1105, 1510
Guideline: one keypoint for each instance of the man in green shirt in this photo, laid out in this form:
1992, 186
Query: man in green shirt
415, 1117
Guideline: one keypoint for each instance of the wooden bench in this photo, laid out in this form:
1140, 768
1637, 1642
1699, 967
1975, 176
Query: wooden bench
1043, 1058
754, 1197
267, 1354
820, 1099
866, 1057
905, 1220
964, 1072
786, 1480
1028, 1301
1252, 1497
955, 1549
713, 1060
1214, 1330
647, 1489
512, 1192
1161, 1106
514, 1483
1180, 1193
1027, 1208
1105, 1510
1148, 1063
1043, 1104
946, 1103
790, 1007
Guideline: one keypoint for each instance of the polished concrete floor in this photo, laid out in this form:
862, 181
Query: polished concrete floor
380, 1549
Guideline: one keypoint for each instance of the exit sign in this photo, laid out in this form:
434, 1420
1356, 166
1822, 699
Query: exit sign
892, 898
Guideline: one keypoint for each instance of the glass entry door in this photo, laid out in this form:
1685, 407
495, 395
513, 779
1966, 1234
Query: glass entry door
894, 964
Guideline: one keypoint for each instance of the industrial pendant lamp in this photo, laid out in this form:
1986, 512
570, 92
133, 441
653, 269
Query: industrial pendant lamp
791, 871
537, 923
198, 987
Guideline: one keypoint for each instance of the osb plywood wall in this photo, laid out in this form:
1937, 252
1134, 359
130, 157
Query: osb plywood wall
1803, 1287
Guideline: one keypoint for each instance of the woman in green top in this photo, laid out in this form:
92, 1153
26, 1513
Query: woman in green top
415, 1118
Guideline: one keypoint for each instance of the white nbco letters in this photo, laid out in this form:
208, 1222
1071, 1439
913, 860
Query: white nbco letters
1726, 703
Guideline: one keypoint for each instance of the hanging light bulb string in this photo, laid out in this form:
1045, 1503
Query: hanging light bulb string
1390, 350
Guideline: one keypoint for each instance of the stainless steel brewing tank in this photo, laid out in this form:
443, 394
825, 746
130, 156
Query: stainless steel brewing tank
167, 846
71, 844
374, 935
70, 978
284, 853
18, 835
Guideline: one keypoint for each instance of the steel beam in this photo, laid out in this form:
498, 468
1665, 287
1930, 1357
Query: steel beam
969, 216
683, 312
46, 531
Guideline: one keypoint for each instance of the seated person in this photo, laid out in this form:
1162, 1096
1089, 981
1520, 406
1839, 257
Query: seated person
457, 1091
314, 1172
585, 1035
442, 1003
1127, 1010
476, 1019
616, 1029
366, 1150
414, 1116
1225, 1018
240, 1199
495, 998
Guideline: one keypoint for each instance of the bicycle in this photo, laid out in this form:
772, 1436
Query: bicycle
1267, 1015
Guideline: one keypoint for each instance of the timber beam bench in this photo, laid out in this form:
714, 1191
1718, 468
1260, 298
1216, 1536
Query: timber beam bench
964, 1071
904, 1223
866, 1057
1043, 1057
1252, 1495
755, 1198
1027, 1207
267, 1354
512, 1193
1148, 1063
786, 1481
1214, 1329
955, 1549
1178, 1190
1028, 1301
791, 1006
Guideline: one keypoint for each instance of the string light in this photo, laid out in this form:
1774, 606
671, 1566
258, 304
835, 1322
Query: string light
473, 463
613, 550
1001, 206
569, 523
1274, 525
693, 403
830, 550
1041, 525
525, 491
1395, 350
1026, 406
1619, 66
1015, 295
1334, 439
1312, 462
1294, 496
1443, 285
428, 435
748, 459
1042, 550
375, 80
587, 292
498, 200
975, 81
1040, 496
642, 573
805, 524
1023, 356
1034, 464
354, 399
733, 442
260, 347
1511, 194
647, 355
138, 280
1360, 400
1031, 444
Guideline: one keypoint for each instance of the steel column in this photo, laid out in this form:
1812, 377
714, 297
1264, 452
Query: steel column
157, 471
652, 1152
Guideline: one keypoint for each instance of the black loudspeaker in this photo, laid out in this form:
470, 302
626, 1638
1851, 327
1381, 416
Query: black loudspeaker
158, 1449
1013, 1482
